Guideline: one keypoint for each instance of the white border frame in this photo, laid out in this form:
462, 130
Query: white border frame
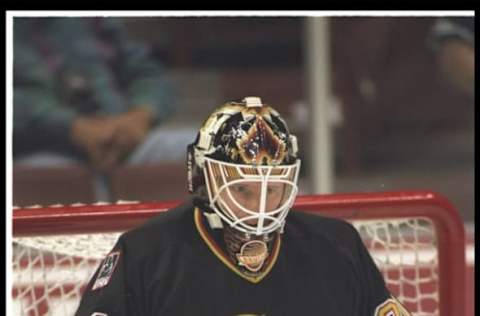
243, 13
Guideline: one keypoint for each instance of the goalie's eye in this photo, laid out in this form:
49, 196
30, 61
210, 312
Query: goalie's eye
242, 189
275, 188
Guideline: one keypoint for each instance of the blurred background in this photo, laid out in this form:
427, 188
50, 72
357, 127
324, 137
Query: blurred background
399, 109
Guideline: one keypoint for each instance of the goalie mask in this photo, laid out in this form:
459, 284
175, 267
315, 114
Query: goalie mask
243, 165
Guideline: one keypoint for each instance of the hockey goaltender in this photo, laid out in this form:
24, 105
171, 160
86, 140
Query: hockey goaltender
235, 248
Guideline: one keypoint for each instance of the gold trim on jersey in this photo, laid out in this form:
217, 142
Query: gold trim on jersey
220, 254
391, 307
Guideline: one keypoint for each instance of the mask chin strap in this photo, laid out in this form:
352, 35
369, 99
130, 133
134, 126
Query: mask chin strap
213, 220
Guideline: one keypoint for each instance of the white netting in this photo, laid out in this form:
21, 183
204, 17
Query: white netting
50, 273
406, 253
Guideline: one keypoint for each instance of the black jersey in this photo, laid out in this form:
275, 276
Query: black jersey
171, 266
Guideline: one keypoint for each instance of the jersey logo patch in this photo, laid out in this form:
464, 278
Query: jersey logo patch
391, 307
252, 255
106, 270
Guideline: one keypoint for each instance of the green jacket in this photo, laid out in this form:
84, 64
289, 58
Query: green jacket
67, 66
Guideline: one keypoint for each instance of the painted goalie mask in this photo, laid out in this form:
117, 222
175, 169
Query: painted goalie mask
243, 165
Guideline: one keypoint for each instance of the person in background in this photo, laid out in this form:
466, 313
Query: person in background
84, 92
453, 42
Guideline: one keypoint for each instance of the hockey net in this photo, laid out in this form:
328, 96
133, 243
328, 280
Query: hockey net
415, 238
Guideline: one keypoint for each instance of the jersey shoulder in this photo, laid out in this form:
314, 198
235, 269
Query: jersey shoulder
339, 233
166, 229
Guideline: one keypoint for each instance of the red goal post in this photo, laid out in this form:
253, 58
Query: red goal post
416, 237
